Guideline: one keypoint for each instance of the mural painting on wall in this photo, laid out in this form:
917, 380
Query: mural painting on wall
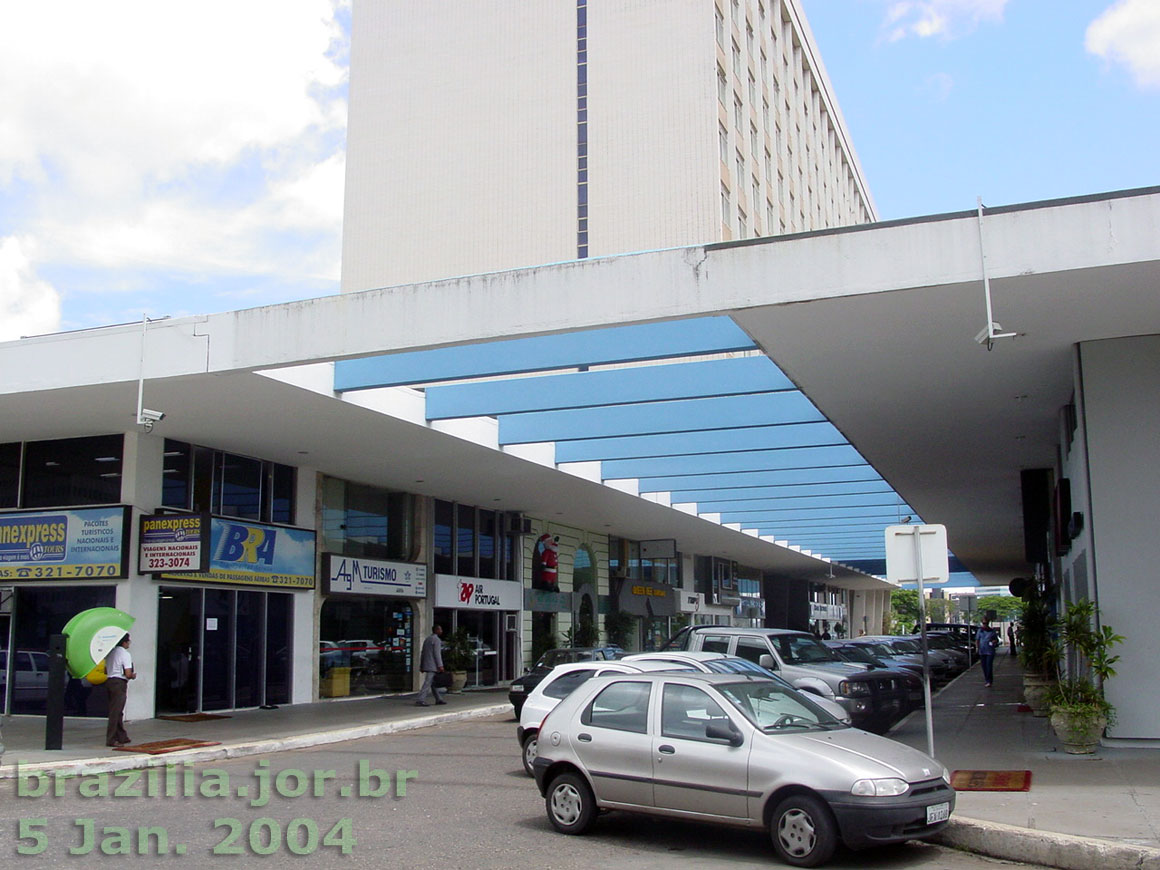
545, 563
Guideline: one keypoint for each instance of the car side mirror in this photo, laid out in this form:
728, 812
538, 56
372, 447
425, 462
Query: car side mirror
724, 730
767, 661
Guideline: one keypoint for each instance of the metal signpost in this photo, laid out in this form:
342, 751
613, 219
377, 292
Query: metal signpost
919, 553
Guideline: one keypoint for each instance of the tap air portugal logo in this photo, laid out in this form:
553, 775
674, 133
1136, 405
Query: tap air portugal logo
246, 545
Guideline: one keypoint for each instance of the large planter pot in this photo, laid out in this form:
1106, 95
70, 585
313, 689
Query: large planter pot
1080, 735
1035, 687
458, 681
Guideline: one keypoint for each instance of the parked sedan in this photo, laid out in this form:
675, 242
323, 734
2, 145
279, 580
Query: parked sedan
562, 682
521, 686
742, 751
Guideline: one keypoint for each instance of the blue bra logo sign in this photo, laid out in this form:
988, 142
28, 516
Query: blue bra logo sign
247, 544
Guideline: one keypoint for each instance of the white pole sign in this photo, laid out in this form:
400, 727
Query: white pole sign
903, 559
919, 553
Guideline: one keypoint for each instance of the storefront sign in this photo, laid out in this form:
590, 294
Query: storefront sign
64, 544
173, 543
691, 602
375, 577
471, 593
647, 599
256, 554
827, 611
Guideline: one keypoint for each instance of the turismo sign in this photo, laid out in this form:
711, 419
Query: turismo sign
173, 542
64, 544
375, 577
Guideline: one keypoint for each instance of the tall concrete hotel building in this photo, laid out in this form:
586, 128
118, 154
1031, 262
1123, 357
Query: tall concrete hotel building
498, 135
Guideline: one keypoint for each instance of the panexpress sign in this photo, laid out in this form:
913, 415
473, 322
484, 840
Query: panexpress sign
173, 542
64, 544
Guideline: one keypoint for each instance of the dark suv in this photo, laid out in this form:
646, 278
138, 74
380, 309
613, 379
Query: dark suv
519, 688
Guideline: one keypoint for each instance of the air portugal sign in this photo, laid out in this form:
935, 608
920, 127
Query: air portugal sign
256, 554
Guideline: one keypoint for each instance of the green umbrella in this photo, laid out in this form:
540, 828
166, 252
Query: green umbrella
91, 635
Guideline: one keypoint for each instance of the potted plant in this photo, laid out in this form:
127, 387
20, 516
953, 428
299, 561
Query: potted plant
1079, 710
1037, 653
458, 656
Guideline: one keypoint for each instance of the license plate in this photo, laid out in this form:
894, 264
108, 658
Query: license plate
938, 813
516, 689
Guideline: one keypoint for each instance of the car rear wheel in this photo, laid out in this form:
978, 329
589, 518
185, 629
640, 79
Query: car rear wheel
803, 831
571, 805
531, 746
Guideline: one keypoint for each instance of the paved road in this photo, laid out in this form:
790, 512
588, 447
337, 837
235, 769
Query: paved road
467, 805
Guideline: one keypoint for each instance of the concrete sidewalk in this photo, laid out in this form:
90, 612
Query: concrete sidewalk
244, 732
1100, 811
1081, 812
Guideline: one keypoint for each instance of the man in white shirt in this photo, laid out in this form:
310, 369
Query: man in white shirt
119, 670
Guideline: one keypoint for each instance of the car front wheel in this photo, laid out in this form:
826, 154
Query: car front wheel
803, 831
571, 804
531, 745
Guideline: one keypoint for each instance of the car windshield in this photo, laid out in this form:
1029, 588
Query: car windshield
775, 708
880, 649
906, 646
803, 650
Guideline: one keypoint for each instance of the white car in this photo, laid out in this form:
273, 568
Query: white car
562, 682
720, 663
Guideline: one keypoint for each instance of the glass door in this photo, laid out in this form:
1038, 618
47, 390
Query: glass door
178, 649
217, 669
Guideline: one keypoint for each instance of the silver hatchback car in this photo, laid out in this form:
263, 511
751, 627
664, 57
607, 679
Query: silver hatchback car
738, 750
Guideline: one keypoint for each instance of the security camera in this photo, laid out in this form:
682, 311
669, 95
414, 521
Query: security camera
148, 416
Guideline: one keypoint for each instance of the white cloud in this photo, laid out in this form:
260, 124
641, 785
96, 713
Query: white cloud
1129, 33
946, 19
28, 305
200, 137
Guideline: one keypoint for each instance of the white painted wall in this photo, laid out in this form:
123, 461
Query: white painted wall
654, 173
461, 144
1121, 404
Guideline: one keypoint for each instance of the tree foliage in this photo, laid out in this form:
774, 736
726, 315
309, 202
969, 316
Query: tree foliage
1007, 608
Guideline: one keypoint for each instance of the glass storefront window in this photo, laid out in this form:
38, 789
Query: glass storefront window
10, 475
73, 471
38, 613
222, 649
470, 542
365, 647
444, 546
487, 542
465, 541
238, 487
202, 479
365, 521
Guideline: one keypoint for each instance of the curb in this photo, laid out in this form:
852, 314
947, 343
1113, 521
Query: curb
1032, 846
107, 764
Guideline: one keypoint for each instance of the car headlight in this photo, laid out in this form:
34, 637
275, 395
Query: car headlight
848, 688
879, 787
946, 775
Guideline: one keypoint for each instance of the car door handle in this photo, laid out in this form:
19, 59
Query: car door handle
666, 749
584, 737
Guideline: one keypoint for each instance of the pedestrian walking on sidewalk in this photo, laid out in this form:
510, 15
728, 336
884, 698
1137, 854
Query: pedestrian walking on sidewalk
1011, 639
988, 640
431, 663
119, 670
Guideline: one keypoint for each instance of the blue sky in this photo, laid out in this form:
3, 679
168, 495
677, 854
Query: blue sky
1011, 100
174, 159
